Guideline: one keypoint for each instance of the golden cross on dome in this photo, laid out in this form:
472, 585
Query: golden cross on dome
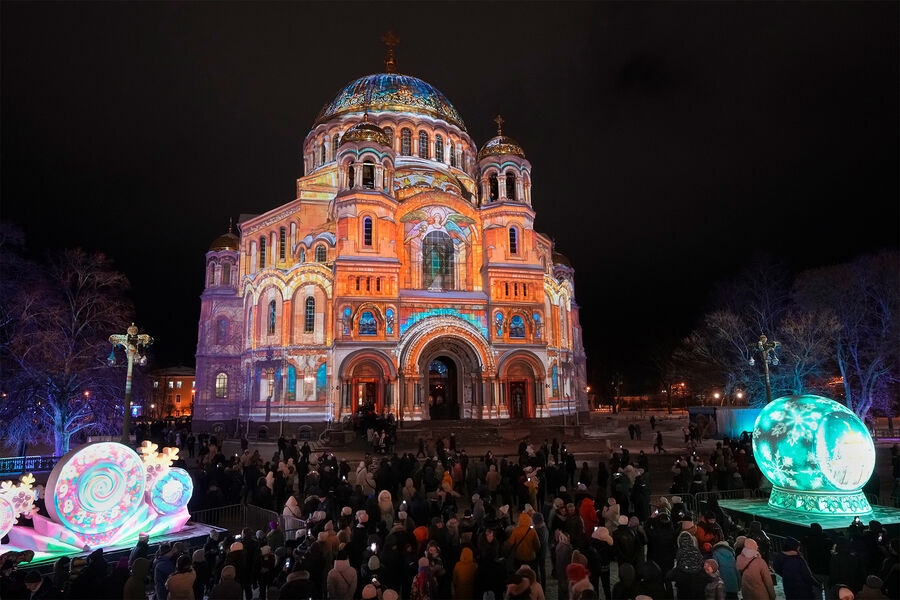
499, 121
230, 226
390, 61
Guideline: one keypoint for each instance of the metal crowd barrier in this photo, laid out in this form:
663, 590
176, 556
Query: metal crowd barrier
235, 517
27, 464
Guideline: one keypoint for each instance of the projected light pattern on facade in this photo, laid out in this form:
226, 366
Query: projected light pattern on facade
102, 494
817, 454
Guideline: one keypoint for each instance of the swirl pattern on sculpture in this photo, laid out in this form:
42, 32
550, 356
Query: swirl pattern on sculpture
170, 491
97, 488
7, 516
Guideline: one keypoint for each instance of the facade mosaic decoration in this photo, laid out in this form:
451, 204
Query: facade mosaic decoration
817, 454
404, 243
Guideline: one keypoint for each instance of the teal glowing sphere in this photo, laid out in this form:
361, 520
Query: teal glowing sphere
817, 454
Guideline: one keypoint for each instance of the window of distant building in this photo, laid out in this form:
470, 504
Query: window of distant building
221, 385
367, 324
423, 144
262, 252
272, 317
155, 385
321, 255
309, 316
368, 175
177, 398
494, 190
439, 148
282, 242
405, 142
367, 232
513, 240
171, 384
178, 384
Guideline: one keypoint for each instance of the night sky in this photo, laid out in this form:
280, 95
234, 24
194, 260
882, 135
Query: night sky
671, 143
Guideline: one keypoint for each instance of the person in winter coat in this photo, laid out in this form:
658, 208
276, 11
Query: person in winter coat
757, 534
628, 547
386, 507
563, 558
661, 541
846, 566
424, 585
688, 568
756, 580
465, 574
872, 589
227, 588
817, 548
715, 587
797, 578
523, 542
136, 585
724, 557
600, 553
589, 516
162, 568
579, 580
341, 581
626, 587
202, 569
535, 589
611, 514
180, 584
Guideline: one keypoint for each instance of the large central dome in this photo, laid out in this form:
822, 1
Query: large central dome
391, 92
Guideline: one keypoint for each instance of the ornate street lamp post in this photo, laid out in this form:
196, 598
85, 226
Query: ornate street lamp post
134, 346
767, 349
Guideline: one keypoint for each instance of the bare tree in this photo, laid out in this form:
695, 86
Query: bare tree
864, 296
56, 349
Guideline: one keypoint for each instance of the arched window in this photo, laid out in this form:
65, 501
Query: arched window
302, 255
226, 274
222, 331
423, 144
221, 385
270, 383
554, 375
334, 145
368, 175
323, 153
309, 315
262, 252
511, 186
452, 155
405, 142
513, 240
439, 148
291, 383
272, 317
493, 191
320, 253
389, 131
367, 232
282, 242
211, 280
437, 261
350, 177
367, 324
517, 327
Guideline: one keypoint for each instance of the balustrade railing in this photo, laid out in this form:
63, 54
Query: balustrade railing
26, 464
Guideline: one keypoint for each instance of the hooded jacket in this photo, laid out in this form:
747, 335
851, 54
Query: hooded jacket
464, 575
523, 542
756, 580
588, 516
341, 581
577, 574
724, 555
137, 582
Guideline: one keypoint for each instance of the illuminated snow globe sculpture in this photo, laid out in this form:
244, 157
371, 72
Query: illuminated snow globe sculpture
817, 454
106, 494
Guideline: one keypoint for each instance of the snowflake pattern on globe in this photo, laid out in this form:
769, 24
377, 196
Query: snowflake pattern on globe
816, 453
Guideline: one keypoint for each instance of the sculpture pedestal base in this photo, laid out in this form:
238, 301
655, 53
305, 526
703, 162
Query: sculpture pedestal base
791, 522
823, 503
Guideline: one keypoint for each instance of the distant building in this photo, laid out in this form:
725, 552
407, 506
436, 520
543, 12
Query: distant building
406, 277
171, 393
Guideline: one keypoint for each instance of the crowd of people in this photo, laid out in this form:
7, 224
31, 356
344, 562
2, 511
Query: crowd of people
450, 526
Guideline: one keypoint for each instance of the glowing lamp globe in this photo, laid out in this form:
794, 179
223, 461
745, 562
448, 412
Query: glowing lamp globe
817, 454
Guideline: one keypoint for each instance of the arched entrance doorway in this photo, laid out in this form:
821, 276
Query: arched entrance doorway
453, 373
443, 399
366, 384
521, 381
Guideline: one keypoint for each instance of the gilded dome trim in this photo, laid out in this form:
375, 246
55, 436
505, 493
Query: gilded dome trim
366, 132
501, 145
390, 92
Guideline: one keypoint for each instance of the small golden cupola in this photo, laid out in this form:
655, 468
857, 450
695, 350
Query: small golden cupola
504, 172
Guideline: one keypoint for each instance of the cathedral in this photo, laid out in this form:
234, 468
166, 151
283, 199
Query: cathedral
405, 278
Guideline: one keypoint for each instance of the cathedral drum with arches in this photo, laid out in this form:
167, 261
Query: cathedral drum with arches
405, 278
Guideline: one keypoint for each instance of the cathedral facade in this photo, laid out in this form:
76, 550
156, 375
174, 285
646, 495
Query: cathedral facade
406, 277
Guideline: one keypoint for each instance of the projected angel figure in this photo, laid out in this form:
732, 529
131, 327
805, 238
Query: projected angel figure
423, 221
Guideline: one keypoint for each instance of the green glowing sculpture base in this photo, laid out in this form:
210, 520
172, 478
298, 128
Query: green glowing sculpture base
826, 503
